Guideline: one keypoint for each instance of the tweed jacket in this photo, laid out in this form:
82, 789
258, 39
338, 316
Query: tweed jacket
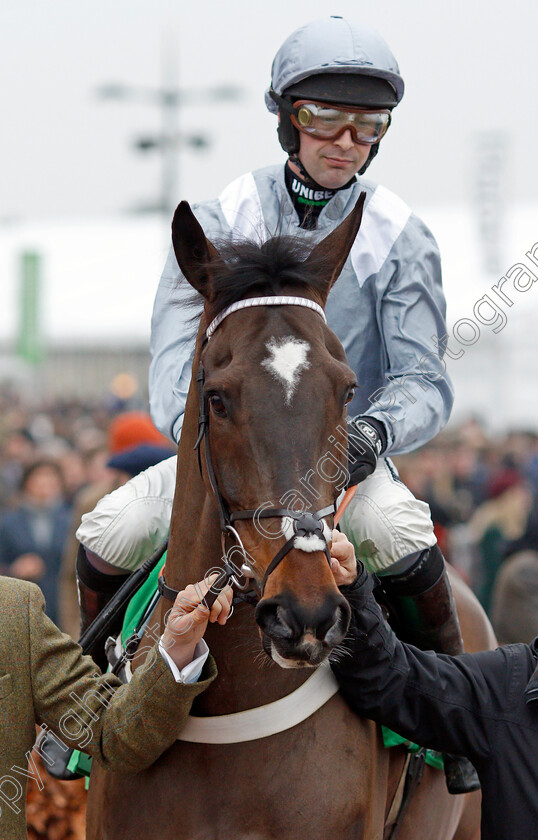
45, 679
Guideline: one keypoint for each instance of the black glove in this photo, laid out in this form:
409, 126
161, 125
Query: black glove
366, 440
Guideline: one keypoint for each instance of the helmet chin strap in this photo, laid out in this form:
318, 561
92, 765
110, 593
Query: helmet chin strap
305, 177
309, 181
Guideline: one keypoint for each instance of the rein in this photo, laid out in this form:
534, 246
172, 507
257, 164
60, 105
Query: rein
307, 527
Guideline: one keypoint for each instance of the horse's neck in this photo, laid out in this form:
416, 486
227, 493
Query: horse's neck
194, 544
246, 677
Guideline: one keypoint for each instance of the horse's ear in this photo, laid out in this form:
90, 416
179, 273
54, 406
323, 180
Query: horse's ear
334, 249
194, 252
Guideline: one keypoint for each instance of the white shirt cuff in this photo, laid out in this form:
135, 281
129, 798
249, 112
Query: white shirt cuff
189, 673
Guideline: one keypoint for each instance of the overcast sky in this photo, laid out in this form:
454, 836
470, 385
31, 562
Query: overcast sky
470, 66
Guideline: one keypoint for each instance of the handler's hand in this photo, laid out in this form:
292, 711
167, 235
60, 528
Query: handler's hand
343, 562
188, 619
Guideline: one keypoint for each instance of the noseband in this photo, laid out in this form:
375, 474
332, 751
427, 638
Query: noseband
307, 526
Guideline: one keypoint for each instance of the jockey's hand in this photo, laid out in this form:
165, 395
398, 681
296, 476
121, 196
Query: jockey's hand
343, 561
364, 446
188, 619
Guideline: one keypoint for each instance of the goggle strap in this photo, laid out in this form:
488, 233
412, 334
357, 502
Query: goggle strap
282, 103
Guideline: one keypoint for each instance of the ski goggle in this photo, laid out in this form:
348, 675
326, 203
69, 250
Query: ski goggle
327, 122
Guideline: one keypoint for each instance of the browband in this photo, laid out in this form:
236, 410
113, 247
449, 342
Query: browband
270, 300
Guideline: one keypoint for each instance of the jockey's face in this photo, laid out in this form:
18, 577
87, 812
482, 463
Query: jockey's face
332, 163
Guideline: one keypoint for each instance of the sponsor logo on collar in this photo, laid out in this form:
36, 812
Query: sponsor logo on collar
310, 194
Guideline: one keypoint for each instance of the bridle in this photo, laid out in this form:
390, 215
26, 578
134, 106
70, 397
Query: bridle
306, 525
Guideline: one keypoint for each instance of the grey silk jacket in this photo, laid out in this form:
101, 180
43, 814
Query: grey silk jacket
387, 307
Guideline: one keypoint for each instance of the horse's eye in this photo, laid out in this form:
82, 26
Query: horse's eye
350, 395
217, 405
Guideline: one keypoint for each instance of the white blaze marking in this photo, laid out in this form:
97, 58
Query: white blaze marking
288, 360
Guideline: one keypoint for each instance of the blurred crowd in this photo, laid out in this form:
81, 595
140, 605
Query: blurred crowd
483, 494
59, 458
56, 461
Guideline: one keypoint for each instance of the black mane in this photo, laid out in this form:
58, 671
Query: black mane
247, 268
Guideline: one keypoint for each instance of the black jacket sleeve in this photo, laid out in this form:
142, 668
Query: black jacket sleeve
446, 703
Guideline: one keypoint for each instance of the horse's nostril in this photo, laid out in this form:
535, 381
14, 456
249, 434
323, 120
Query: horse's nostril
290, 622
338, 627
274, 619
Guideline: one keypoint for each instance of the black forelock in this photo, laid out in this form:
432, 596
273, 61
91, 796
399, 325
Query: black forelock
248, 268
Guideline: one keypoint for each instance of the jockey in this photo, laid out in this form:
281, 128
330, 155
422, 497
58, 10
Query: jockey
334, 86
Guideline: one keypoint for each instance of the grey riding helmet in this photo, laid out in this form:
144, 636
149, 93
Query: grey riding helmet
337, 61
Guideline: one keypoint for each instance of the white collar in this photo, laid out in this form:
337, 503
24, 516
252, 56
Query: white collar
264, 720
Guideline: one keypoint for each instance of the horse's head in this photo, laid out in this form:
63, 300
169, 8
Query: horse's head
274, 384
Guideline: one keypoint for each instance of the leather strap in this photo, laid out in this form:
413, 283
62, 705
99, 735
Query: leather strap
414, 771
248, 597
166, 591
210, 596
397, 799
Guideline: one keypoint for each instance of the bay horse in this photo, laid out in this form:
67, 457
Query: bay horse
269, 391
